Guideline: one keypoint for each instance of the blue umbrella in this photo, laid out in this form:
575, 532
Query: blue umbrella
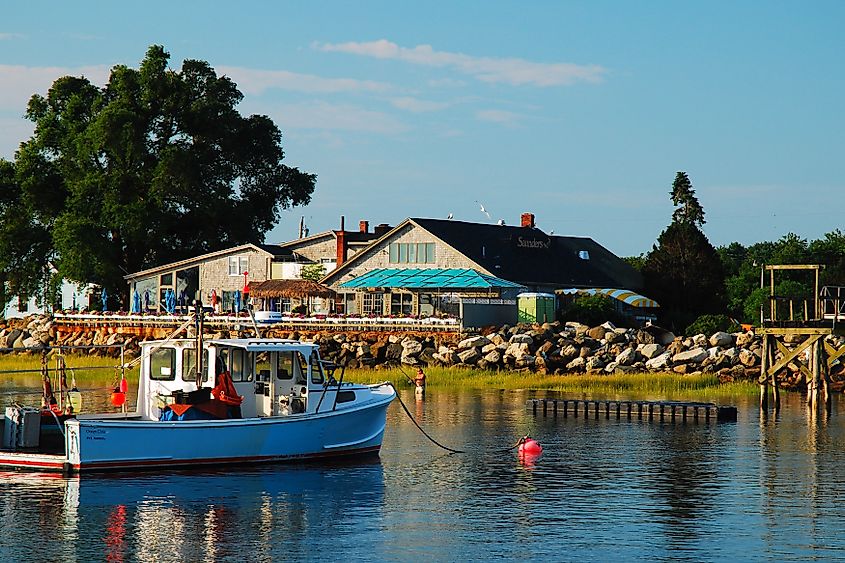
237, 301
136, 302
171, 301
104, 296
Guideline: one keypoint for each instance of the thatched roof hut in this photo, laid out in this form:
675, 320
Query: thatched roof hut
299, 289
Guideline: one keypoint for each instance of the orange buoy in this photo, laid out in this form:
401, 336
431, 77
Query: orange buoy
530, 446
118, 398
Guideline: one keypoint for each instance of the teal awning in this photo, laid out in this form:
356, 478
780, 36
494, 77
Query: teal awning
430, 278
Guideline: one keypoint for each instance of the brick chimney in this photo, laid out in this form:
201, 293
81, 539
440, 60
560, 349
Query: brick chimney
342, 246
528, 220
364, 226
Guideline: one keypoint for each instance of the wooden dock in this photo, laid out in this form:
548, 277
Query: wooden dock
640, 410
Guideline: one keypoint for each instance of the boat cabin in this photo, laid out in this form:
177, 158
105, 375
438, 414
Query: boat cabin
274, 377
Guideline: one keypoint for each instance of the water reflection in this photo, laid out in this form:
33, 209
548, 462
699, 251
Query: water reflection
263, 514
763, 488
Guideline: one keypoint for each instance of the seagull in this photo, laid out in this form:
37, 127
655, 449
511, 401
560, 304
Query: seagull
449, 216
501, 222
481, 205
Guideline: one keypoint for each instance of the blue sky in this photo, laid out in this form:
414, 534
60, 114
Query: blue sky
580, 112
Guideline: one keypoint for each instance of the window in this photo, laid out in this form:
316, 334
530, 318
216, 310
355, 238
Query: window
401, 303
166, 279
238, 265
239, 367
163, 364
373, 304
412, 253
284, 366
189, 365
316, 369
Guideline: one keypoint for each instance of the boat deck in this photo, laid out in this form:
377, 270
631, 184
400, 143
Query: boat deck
26, 461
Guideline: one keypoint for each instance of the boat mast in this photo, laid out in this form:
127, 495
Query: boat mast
198, 313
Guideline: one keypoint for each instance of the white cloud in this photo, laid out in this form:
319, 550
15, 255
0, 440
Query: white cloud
10, 36
13, 131
344, 117
416, 105
498, 116
21, 82
257, 81
509, 70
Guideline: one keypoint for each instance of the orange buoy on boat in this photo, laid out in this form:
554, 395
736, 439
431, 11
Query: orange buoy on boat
118, 397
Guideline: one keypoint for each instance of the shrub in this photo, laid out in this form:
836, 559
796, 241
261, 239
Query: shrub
709, 324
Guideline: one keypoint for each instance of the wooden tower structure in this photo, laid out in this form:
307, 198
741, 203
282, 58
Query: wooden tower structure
796, 333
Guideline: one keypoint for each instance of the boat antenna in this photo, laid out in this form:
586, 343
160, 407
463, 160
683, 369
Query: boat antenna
198, 313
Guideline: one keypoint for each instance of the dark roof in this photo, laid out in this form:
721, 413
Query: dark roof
529, 256
358, 236
276, 250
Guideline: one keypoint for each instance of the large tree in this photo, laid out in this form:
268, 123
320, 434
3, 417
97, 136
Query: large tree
156, 166
683, 271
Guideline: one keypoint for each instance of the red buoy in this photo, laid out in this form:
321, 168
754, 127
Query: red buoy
124, 386
118, 398
530, 446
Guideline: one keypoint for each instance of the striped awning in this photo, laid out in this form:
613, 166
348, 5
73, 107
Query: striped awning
624, 295
429, 278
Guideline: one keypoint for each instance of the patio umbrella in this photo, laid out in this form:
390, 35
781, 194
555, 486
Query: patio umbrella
136, 302
104, 296
171, 301
237, 301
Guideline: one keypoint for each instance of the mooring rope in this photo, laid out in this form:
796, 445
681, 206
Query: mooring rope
435, 442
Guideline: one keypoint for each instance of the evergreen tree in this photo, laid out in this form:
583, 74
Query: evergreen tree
683, 271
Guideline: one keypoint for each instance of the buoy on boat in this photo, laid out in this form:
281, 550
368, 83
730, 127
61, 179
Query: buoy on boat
118, 398
124, 386
530, 447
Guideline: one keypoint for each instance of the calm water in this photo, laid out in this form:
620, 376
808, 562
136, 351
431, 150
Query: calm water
758, 489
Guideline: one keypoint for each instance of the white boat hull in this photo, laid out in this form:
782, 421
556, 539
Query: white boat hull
99, 444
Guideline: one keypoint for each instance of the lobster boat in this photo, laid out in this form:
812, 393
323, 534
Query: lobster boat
239, 401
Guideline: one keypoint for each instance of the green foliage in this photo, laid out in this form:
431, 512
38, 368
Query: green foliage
592, 310
313, 272
683, 273
637, 262
709, 324
156, 166
687, 208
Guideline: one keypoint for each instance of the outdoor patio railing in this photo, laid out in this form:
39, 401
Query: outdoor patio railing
243, 322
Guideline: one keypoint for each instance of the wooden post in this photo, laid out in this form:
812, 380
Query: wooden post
764, 368
775, 389
814, 394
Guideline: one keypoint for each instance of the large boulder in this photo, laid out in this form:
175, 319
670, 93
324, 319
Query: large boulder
627, 357
517, 350
472, 342
411, 347
659, 362
521, 339
493, 357
747, 358
744, 338
699, 341
577, 364
722, 340
650, 351
597, 333
695, 356
469, 356
393, 352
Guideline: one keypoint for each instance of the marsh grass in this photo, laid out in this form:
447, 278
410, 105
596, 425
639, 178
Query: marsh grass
670, 386
23, 370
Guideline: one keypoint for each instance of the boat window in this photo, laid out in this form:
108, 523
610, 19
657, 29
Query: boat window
284, 367
345, 396
189, 365
262, 366
316, 369
163, 364
241, 370
301, 367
